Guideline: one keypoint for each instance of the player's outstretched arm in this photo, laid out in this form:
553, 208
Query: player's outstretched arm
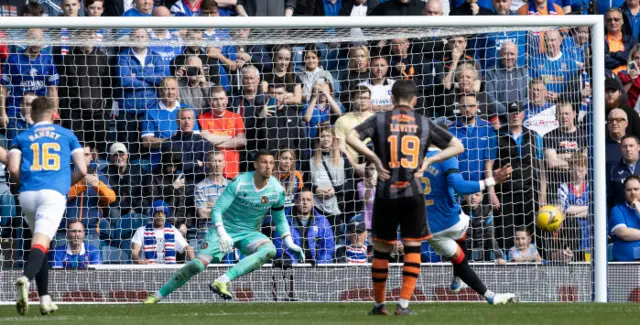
282, 228
80, 167
222, 204
463, 187
13, 165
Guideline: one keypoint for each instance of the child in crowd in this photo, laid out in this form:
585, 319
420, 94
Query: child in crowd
524, 250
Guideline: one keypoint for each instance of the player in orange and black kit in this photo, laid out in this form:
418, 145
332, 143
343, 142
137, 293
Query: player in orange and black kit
400, 138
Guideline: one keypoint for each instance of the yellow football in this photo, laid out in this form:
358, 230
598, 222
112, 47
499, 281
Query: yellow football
549, 218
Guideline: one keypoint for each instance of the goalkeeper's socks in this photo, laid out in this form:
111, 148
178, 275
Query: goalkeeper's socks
467, 274
410, 272
379, 274
34, 261
181, 277
489, 295
223, 278
42, 278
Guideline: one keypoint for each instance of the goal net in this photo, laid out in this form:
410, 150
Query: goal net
167, 116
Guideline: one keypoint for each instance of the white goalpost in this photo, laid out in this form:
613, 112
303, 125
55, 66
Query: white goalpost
118, 280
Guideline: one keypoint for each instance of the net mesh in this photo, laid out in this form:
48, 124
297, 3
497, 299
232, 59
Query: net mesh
122, 92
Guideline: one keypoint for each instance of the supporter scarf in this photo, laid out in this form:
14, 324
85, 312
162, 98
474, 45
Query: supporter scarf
151, 245
533, 10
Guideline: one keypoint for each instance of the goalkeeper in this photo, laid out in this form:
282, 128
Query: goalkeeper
240, 210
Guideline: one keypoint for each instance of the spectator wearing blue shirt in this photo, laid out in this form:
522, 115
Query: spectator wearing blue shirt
142, 8
629, 165
577, 45
186, 8
140, 71
472, 8
168, 38
29, 71
625, 223
310, 230
560, 73
75, 254
161, 123
507, 82
630, 10
479, 139
225, 55
322, 107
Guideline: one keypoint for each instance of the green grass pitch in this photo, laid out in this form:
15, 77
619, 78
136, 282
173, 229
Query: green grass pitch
327, 314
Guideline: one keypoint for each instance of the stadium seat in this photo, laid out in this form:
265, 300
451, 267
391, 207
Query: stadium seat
127, 295
568, 293
144, 164
83, 296
634, 295
126, 226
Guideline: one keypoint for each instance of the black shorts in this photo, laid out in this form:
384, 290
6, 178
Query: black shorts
407, 212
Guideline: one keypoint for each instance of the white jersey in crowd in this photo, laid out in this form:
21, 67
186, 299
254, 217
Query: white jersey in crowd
138, 238
380, 94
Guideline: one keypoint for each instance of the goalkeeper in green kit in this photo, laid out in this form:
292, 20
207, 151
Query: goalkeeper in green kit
237, 217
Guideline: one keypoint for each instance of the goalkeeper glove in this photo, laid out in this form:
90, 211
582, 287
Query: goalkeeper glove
288, 241
225, 242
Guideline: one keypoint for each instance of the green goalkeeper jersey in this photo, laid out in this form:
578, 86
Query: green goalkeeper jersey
241, 207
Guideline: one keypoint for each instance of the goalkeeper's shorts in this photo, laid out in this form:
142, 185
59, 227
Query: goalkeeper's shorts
247, 243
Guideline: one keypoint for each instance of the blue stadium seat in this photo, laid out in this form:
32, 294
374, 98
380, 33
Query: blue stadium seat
124, 227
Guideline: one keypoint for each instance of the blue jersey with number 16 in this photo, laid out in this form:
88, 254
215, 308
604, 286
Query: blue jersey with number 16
46, 157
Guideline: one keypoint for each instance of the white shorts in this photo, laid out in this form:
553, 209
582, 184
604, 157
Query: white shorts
444, 241
43, 210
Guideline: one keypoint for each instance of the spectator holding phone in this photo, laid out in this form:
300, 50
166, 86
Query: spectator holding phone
630, 78
322, 107
193, 87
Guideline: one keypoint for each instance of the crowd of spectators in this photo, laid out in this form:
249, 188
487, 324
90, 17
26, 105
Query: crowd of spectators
165, 127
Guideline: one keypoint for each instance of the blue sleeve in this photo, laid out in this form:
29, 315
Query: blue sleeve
58, 257
124, 73
325, 255
316, 118
539, 147
617, 217
160, 70
53, 79
460, 186
229, 52
148, 124
94, 256
6, 75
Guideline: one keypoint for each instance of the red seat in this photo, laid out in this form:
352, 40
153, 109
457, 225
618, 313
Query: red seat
83, 296
244, 294
127, 295
357, 294
568, 293
634, 295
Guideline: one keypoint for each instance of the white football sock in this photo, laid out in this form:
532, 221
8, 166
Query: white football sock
223, 278
404, 303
